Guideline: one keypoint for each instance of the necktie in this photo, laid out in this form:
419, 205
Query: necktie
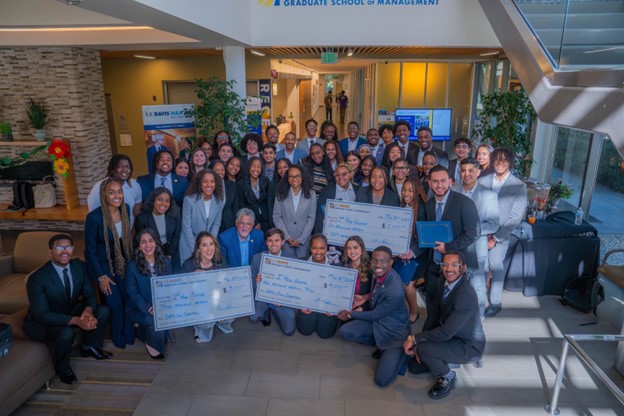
66, 283
437, 256
402, 151
310, 143
162, 181
447, 290
270, 174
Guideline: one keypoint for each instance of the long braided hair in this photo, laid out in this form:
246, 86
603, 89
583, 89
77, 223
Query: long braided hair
121, 253
420, 196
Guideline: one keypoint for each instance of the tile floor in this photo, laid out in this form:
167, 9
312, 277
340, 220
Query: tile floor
259, 371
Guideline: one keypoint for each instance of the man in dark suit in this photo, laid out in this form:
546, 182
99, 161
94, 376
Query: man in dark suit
386, 324
425, 137
452, 333
353, 141
241, 242
158, 140
462, 148
341, 189
402, 131
61, 298
163, 165
461, 211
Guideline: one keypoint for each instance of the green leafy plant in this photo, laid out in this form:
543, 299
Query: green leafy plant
37, 114
506, 121
221, 108
560, 190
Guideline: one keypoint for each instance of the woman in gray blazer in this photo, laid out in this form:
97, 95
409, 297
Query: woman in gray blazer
202, 209
295, 211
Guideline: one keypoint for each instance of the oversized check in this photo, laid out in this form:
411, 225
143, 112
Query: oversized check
196, 298
378, 225
305, 285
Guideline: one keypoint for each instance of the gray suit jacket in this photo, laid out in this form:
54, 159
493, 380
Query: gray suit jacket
303, 144
296, 224
512, 204
194, 221
388, 313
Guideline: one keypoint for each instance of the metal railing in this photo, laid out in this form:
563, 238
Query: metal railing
571, 340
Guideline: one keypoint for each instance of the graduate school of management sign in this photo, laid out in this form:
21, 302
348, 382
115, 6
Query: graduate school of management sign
330, 3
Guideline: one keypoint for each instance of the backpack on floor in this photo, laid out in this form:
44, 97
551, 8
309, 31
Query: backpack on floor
583, 294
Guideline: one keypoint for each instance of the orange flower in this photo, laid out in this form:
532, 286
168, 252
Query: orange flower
58, 149
61, 166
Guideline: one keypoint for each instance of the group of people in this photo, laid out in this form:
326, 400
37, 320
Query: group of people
226, 208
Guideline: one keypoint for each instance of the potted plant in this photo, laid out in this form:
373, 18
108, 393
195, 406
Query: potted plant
506, 120
6, 131
221, 108
38, 117
559, 191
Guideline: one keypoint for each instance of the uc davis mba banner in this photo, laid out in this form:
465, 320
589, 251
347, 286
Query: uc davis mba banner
168, 127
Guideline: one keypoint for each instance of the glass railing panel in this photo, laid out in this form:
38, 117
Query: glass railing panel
547, 21
593, 34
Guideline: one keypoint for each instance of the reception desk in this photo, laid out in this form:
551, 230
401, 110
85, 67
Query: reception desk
543, 257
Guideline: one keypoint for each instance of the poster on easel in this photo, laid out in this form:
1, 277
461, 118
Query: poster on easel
168, 127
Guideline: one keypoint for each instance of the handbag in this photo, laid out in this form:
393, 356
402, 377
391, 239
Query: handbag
44, 193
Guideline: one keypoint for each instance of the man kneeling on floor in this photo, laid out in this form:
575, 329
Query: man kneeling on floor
61, 298
452, 332
386, 324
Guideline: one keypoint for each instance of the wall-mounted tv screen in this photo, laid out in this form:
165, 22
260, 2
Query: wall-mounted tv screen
437, 119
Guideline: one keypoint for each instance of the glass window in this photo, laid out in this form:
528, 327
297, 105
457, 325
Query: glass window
413, 85
571, 153
437, 74
606, 211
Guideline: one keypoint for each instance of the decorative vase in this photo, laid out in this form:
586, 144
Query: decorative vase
40, 135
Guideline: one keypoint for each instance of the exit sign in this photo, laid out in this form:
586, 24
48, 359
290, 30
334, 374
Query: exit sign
329, 58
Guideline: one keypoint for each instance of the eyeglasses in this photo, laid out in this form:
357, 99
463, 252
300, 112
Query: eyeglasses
447, 265
62, 248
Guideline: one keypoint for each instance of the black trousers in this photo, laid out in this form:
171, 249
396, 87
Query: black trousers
62, 338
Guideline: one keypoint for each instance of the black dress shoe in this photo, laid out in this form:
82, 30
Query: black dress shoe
443, 387
267, 322
97, 353
492, 310
376, 354
67, 377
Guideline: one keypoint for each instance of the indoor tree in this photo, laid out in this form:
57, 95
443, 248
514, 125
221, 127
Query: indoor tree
506, 120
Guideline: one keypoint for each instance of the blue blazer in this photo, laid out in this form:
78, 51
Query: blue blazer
388, 313
139, 290
95, 247
228, 240
344, 144
180, 183
297, 156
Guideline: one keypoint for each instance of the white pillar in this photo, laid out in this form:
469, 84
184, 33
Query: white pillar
234, 59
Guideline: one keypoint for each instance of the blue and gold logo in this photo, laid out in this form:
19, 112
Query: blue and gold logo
268, 3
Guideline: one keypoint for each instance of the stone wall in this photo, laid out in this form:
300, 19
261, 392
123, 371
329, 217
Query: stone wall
69, 82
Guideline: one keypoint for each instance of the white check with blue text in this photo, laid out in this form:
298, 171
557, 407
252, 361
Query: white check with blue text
197, 298
305, 285
378, 225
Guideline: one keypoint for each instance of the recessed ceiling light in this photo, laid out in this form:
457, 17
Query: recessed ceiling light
255, 52
489, 53
72, 2
350, 53
144, 57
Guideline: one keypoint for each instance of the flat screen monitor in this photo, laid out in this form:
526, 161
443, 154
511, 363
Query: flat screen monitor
437, 119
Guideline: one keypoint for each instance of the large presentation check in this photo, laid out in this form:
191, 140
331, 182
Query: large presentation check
378, 225
196, 298
306, 285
